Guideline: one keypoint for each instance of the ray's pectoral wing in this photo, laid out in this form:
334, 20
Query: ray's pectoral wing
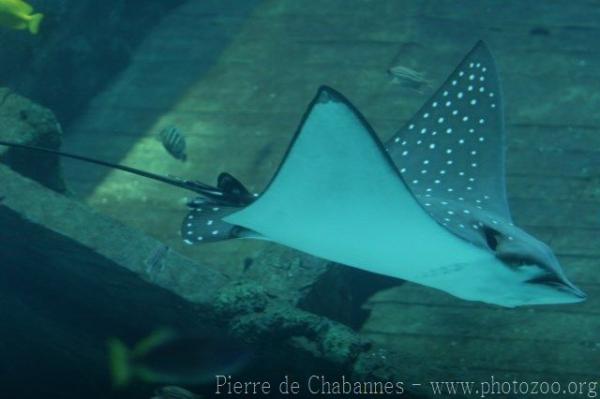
453, 149
336, 185
204, 223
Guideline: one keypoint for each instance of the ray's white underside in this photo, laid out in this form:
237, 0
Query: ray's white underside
341, 196
338, 198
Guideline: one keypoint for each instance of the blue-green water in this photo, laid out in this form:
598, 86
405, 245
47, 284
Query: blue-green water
93, 254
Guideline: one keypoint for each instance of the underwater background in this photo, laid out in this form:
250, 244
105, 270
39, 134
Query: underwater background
92, 254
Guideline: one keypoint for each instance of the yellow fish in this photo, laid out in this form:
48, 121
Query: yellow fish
16, 14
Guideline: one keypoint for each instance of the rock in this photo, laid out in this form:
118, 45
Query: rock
24, 122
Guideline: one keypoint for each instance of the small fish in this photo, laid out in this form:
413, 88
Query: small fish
16, 14
174, 142
166, 357
173, 392
408, 77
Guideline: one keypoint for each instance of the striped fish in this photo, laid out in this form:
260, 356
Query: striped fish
174, 142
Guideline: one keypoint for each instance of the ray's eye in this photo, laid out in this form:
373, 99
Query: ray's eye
510, 255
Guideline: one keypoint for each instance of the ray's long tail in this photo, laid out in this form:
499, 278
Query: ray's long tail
213, 193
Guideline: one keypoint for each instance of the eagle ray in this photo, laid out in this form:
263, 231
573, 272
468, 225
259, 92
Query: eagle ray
429, 207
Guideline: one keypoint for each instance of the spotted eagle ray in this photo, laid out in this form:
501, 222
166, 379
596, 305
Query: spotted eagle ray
429, 206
